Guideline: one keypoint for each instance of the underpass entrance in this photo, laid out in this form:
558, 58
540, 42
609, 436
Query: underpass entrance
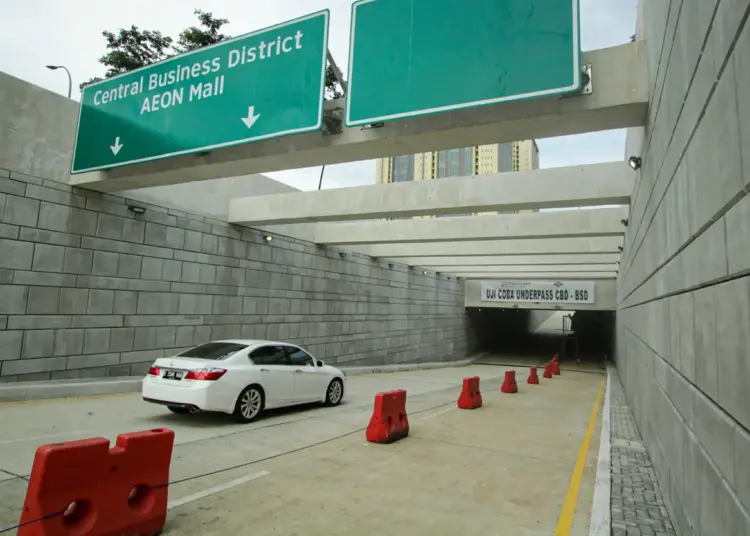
533, 335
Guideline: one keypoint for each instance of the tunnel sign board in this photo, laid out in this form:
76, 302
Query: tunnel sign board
538, 291
417, 57
261, 85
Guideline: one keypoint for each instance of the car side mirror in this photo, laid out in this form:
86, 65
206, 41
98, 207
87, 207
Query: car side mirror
319, 363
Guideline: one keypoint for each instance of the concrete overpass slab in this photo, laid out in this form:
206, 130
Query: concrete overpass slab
506, 248
574, 268
619, 100
535, 275
571, 186
562, 224
521, 260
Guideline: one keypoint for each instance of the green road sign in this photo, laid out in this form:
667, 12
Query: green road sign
417, 57
261, 85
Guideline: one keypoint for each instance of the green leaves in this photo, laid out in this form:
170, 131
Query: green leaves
132, 48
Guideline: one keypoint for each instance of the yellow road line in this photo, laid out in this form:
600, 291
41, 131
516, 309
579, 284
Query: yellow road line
565, 523
64, 399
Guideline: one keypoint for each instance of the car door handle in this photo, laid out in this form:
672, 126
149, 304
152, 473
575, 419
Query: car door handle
264, 370
298, 371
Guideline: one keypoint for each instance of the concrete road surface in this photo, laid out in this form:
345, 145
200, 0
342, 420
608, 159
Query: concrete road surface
503, 469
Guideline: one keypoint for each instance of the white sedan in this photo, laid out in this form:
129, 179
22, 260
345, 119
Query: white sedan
241, 378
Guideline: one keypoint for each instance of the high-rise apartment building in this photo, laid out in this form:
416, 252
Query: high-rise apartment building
464, 162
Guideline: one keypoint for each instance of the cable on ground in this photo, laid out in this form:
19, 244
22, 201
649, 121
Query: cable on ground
285, 453
241, 465
37, 520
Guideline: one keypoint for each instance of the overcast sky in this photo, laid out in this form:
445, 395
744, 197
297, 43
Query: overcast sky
34, 33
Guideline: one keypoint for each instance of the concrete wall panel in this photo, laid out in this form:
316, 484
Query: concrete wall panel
683, 323
35, 130
90, 289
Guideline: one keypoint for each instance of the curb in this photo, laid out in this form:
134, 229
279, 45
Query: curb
601, 520
355, 371
26, 391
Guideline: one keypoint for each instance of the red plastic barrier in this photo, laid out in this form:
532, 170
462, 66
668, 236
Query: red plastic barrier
555, 366
510, 385
556, 358
533, 378
547, 371
471, 397
389, 422
103, 492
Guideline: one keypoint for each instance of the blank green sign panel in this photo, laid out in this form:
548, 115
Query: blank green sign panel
417, 57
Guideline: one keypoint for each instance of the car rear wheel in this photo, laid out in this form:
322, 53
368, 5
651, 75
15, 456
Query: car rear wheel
249, 404
335, 392
179, 410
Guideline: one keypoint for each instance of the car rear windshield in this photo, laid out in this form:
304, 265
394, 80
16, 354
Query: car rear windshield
214, 350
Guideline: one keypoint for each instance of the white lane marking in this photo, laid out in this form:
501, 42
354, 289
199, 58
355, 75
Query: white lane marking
215, 489
438, 413
600, 510
34, 438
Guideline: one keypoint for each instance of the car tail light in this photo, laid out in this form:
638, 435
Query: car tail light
206, 374
153, 371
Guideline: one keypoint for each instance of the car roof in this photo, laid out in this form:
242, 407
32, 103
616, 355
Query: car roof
254, 342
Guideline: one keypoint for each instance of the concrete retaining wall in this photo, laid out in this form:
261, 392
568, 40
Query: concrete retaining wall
683, 323
90, 289
87, 288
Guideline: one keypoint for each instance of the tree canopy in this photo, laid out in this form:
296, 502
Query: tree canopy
132, 48
208, 33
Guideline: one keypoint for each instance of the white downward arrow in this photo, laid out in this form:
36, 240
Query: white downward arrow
251, 117
116, 147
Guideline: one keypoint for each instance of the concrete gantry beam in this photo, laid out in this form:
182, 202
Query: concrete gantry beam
506, 248
521, 260
557, 268
547, 276
619, 100
557, 224
573, 186
605, 294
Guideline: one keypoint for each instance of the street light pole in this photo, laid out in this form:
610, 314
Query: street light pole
320, 182
70, 78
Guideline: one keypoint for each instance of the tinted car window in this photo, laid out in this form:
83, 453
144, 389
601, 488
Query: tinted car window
270, 355
214, 350
299, 358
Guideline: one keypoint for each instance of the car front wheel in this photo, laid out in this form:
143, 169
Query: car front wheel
335, 392
249, 404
